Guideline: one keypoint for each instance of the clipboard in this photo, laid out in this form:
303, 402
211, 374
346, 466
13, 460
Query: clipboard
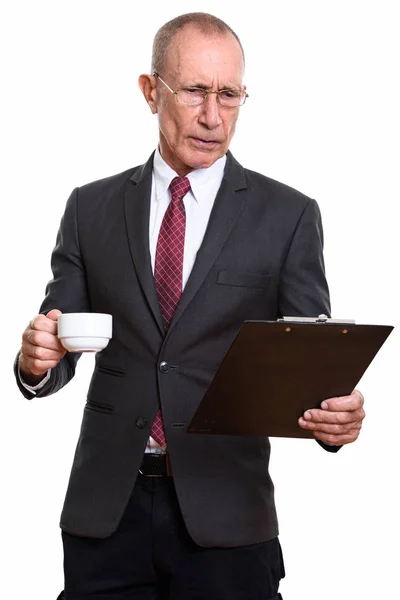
275, 370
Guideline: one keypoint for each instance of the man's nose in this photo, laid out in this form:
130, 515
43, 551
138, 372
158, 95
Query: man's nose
210, 111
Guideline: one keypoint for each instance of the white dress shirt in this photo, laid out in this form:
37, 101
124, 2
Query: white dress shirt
204, 185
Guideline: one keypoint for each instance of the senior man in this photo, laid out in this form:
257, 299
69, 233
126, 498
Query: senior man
180, 250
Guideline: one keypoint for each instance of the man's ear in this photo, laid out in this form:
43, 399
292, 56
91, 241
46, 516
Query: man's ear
148, 85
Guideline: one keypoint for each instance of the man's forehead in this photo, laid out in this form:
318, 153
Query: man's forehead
195, 51
191, 36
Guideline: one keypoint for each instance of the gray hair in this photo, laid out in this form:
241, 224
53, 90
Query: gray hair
204, 22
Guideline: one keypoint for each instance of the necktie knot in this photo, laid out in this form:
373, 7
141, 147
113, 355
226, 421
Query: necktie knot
179, 187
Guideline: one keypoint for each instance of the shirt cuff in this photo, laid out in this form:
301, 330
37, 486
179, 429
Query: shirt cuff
34, 388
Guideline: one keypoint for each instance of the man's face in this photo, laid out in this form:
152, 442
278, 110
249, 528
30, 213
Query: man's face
193, 137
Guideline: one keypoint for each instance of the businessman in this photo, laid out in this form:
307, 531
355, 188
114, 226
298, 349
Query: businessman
180, 250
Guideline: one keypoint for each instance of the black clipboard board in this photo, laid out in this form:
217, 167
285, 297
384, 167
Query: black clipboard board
274, 371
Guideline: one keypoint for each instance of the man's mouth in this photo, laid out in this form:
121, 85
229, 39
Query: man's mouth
205, 143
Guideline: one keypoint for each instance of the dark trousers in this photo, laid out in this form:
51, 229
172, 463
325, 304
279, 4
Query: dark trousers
152, 557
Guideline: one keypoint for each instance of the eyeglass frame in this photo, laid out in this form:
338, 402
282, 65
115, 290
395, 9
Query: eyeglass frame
206, 92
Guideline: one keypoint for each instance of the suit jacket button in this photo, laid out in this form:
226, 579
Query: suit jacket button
164, 367
141, 422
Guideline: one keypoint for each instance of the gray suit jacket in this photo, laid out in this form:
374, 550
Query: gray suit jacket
261, 258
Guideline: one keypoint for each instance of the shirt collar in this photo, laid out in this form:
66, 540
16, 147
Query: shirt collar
199, 178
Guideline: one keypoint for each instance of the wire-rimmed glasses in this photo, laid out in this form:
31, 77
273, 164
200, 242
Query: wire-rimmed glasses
193, 96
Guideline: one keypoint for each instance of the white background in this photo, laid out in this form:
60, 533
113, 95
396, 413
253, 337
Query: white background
323, 116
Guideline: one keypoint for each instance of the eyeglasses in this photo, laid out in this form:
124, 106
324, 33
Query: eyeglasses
193, 96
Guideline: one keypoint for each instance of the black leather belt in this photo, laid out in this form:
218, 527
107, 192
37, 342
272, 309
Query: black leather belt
155, 465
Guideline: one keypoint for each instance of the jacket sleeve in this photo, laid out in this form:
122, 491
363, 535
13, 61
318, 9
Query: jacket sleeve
303, 287
67, 291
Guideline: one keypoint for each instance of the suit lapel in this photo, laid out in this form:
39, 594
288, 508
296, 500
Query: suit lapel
137, 213
227, 207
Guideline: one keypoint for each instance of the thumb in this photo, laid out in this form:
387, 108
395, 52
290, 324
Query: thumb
54, 314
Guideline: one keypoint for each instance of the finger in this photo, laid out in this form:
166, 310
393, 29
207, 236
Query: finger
54, 314
338, 440
40, 353
43, 323
324, 416
330, 428
343, 403
43, 339
36, 366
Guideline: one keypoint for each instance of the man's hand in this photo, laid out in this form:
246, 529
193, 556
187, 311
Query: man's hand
338, 421
41, 349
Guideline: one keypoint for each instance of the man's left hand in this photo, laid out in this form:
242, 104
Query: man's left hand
338, 421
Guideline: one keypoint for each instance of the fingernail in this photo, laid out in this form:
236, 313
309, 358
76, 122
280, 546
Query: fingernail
302, 422
307, 415
324, 405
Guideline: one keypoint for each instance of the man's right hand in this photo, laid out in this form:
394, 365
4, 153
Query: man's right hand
41, 349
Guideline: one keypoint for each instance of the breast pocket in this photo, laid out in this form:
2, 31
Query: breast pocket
247, 280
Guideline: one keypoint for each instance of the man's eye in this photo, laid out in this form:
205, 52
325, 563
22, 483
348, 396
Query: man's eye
229, 94
194, 91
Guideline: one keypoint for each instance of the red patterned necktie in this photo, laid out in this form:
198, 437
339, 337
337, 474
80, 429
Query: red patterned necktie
168, 268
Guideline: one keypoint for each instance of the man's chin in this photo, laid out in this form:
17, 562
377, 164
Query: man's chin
184, 162
204, 160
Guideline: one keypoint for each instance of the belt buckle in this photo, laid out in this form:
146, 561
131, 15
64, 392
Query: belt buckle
168, 469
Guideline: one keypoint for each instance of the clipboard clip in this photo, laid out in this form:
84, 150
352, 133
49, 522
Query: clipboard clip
319, 319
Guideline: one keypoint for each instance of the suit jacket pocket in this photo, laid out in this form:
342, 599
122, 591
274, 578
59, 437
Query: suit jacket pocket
250, 280
99, 407
108, 370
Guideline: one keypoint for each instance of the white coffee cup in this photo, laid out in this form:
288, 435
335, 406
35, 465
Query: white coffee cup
84, 332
